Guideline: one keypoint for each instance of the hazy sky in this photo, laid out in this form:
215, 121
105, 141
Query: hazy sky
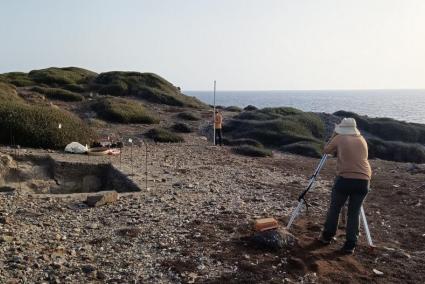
243, 44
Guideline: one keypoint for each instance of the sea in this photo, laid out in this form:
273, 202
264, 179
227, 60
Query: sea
404, 105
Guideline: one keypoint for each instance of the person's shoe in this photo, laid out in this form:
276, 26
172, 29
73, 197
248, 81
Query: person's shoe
348, 248
323, 240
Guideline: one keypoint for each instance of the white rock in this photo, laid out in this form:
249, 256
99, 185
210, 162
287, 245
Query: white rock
377, 272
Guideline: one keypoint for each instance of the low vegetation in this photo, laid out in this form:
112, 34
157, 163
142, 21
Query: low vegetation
252, 151
242, 141
147, 86
310, 149
250, 107
61, 76
38, 126
181, 127
58, 94
277, 127
19, 79
122, 111
94, 122
233, 109
163, 136
75, 88
189, 116
396, 151
8, 92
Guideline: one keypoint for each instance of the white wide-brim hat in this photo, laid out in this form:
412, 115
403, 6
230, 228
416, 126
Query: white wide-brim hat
348, 126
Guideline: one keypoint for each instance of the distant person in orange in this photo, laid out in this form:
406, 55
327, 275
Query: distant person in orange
352, 182
218, 123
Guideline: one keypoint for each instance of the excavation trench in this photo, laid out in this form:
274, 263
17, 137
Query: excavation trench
45, 175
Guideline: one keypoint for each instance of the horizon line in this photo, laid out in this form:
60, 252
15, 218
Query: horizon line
310, 90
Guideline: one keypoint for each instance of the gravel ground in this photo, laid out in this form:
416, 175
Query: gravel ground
187, 222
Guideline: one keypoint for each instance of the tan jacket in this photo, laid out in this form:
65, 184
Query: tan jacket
218, 121
352, 156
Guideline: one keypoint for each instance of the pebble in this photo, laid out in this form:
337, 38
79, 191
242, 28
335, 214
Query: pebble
377, 272
88, 268
5, 220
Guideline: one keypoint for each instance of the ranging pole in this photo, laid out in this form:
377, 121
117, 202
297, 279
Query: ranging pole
214, 115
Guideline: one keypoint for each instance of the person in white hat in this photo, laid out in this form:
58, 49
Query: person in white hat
352, 181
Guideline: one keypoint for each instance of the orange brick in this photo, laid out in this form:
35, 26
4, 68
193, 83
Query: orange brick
265, 224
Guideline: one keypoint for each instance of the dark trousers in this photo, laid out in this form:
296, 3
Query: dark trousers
355, 190
218, 136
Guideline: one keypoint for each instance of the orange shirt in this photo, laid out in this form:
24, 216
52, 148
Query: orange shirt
352, 156
218, 121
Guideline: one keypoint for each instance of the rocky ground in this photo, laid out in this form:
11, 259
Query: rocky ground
189, 222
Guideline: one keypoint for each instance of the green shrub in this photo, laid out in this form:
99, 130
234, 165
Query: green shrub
58, 94
75, 88
147, 86
181, 127
253, 115
94, 122
396, 151
37, 126
189, 116
304, 148
250, 108
242, 141
19, 79
269, 133
233, 109
301, 131
310, 121
8, 92
280, 111
163, 135
119, 88
62, 76
275, 139
122, 111
252, 151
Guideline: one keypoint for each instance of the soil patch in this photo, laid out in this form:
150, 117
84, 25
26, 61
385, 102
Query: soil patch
45, 175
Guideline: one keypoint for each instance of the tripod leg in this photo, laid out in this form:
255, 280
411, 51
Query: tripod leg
343, 217
366, 227
295, 213
297, 210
